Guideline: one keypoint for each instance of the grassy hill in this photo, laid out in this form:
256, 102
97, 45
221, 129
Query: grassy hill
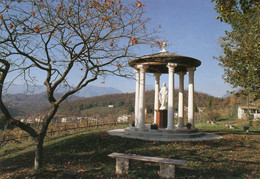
234, 156
30, 104
123, 103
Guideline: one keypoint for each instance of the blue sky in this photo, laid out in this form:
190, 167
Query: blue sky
191, 28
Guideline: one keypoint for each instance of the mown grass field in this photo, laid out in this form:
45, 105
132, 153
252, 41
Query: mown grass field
235, 156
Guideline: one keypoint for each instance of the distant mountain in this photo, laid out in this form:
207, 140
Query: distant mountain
22, 88
88, 91
26, 104
27, 100
91, 91
228, 94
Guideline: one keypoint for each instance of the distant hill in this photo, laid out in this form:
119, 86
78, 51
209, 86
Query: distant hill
27, 104
22, 101
228, 94
23, 89
124, 103
88, 91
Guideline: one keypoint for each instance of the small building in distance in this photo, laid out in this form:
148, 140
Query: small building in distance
124, 118
243, 110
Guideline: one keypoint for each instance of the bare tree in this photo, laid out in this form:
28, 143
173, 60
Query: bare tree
60, 38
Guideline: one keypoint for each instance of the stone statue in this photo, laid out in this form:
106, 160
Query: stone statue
163, 96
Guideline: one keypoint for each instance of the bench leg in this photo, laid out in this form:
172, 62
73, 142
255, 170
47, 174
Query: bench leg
167, 170
122, 166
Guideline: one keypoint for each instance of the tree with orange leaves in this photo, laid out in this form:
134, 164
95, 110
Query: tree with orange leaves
59, 37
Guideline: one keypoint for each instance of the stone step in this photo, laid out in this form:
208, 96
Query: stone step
162, 133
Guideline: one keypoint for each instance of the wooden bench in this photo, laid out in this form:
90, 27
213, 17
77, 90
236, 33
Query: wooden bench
167, 166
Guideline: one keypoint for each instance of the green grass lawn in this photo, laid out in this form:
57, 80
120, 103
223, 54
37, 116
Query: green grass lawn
234, 156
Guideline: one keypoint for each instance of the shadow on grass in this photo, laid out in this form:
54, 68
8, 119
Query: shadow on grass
225, 132
86, 151
87, 154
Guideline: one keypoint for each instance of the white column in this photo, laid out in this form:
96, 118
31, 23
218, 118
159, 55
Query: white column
141, 123
170, 117
191, 96
181, 100
137, 91
156, 94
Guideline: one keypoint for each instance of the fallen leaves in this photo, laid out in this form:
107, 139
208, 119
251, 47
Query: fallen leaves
206, 159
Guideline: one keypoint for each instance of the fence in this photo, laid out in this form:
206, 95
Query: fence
58, 128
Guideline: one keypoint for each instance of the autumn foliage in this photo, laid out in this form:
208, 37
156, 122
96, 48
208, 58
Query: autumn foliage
48, 42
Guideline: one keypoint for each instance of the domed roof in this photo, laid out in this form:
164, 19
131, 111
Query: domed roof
157, 63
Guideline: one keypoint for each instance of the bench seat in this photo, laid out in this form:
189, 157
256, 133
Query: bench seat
167, 166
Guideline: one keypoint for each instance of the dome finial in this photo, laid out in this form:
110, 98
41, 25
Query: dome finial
164, 47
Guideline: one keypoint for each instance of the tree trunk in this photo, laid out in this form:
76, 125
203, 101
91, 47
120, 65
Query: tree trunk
38, 159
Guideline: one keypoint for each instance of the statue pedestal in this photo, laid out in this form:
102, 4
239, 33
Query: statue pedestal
161, 118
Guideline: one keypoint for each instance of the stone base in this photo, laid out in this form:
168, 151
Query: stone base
161, 118
177, 134
167, 170
163, 133
122, 165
